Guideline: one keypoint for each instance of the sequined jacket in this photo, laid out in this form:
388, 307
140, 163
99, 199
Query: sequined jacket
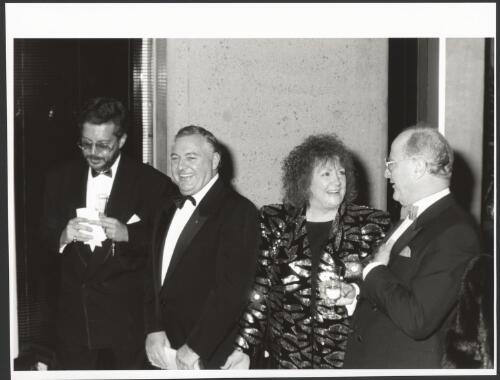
296, 329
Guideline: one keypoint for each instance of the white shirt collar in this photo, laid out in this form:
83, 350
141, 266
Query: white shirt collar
426, 202
200, 194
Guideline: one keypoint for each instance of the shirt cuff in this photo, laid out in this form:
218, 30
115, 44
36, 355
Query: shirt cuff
61, 248
369, 267
352, 306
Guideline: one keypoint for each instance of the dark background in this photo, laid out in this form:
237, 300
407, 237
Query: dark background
52, 79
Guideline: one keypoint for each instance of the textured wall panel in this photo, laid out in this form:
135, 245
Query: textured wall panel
261, 97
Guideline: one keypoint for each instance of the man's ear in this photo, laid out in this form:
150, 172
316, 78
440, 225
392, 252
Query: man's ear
420, 167
122, 140
215, 160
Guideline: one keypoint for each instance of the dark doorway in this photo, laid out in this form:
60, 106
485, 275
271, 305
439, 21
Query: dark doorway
402, 102
52, 78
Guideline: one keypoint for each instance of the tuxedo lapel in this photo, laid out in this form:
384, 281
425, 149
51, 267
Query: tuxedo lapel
77, 188
405, 238
208, 205
194, 224
427, 216
76, 191
121, 192
117, 207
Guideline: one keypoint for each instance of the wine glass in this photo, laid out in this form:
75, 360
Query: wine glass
330, 286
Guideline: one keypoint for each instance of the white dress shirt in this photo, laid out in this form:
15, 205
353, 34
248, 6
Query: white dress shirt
98, 190
179, 221
422, 205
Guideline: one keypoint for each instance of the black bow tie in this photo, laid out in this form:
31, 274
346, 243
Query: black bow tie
181, 199
95, 173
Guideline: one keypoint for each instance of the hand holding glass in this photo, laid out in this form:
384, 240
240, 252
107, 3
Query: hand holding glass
330, 287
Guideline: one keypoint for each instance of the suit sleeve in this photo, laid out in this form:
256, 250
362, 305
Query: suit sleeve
152, 313
52, 222
235, 268
420, 308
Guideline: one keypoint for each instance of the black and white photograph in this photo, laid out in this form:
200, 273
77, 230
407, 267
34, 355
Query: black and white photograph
215, 190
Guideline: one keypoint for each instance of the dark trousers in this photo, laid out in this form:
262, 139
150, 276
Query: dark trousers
71, 357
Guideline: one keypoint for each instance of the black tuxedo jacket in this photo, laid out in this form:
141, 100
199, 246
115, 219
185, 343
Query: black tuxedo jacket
404, 308
101, 294
209, 277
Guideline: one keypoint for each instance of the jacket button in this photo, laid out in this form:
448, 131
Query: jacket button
374, 308
83, 286
358, 338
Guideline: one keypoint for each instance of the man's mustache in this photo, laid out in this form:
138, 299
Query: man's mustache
93, 158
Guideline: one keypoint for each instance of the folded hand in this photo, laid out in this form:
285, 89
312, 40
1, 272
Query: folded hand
237, 360
186, 358
347, 294
113, 228
75, 231
156, 342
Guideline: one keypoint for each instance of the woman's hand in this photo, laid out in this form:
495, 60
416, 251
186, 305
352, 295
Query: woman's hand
237, 360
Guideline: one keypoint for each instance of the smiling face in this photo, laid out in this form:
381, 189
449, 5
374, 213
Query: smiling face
328, 186
193, 162
97, 136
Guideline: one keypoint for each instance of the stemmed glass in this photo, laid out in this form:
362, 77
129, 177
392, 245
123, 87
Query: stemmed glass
330, 286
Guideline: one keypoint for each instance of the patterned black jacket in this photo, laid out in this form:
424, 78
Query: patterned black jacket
282, 317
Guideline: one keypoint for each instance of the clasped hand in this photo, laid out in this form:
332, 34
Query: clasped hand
237, 360
113, 228
156, 343
78, 229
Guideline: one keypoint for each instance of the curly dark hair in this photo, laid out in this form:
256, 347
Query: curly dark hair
298, 167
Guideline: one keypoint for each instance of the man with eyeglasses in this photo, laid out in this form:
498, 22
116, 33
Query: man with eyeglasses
410, 289
100, 322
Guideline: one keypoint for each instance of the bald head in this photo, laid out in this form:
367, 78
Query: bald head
428, 143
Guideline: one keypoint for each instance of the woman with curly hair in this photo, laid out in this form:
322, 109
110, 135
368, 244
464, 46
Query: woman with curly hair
313, 249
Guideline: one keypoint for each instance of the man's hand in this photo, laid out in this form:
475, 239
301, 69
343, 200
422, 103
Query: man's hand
155, 348
347, 294
186, 358
75, 231
237, 360
114, 229
383, 252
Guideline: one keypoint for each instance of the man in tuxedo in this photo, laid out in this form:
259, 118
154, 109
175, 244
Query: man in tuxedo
100, 322
409, 291
204, 255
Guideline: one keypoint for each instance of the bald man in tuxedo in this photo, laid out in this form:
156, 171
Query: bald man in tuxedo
410, 289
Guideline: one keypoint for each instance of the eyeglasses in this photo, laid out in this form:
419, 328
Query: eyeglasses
100, 147
389, 163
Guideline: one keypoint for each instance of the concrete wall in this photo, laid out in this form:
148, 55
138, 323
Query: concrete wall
261, 97
464, 117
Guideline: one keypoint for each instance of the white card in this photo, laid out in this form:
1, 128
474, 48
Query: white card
97, 232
